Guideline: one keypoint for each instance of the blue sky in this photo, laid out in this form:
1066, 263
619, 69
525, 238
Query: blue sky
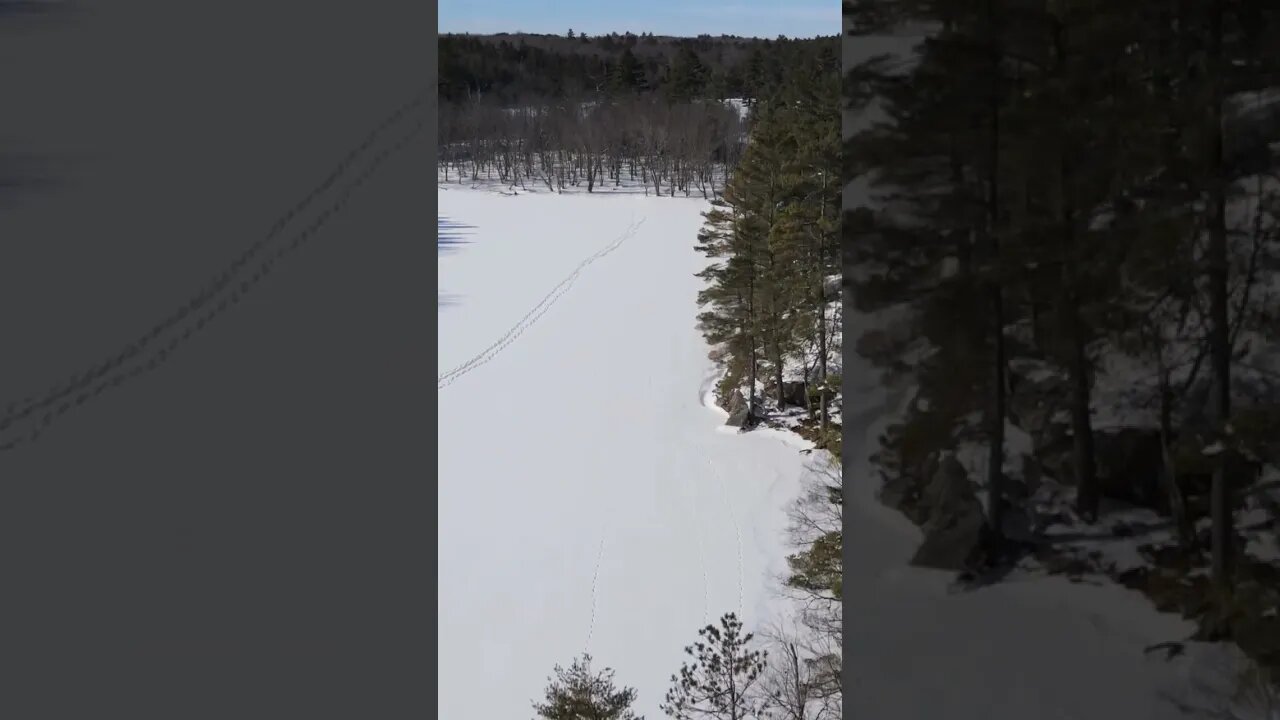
750, 18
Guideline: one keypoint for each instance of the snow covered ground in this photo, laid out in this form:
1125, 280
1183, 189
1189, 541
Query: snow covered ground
1029, 647
589, 497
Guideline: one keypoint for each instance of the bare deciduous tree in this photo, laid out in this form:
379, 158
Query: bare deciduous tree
562, 143
796, 682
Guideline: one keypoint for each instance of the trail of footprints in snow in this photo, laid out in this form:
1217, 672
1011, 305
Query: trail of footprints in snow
737, 531
702, 554
529, 319
595, 580
702, 557
696, 525
448, 378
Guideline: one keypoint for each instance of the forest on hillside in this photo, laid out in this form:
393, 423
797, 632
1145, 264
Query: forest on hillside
1070, 252
512, 69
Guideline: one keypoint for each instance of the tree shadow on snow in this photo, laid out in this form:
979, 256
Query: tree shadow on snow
451, 236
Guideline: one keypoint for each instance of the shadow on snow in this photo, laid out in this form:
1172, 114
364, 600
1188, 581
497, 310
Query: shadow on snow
451, 236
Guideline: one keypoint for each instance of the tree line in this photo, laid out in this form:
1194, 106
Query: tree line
508, 69
1078, 200
771, 314
565, 112
773, 238
668, 148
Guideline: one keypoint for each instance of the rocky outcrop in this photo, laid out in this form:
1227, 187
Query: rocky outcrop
795, 393
739, 411
952, 515
1035, 401
1128, 458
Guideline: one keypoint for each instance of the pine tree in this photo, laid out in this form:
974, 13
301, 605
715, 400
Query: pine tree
579, 693
627, 76
753, 290
686, 76
1072, 71
718, 682
763, 188
812, 215
938, 244
730, 321
1111, 250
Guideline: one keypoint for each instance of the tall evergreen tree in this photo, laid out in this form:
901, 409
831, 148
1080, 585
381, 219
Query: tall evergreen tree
811, 217
730, 323
753, 290
627, 75
938, 161
686, 77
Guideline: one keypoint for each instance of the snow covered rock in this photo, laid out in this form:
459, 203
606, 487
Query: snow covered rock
1036, 402
738, 410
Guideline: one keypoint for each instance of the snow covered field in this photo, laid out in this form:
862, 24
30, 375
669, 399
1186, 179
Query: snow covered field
589, 499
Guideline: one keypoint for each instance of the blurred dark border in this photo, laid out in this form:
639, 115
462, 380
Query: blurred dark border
147, 674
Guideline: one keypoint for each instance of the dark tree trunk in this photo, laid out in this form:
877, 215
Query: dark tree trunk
1088, 493
1037, 320
823, 416
996, 413
1219, 332
753, 364
777, 370
1169, 477
995, 296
